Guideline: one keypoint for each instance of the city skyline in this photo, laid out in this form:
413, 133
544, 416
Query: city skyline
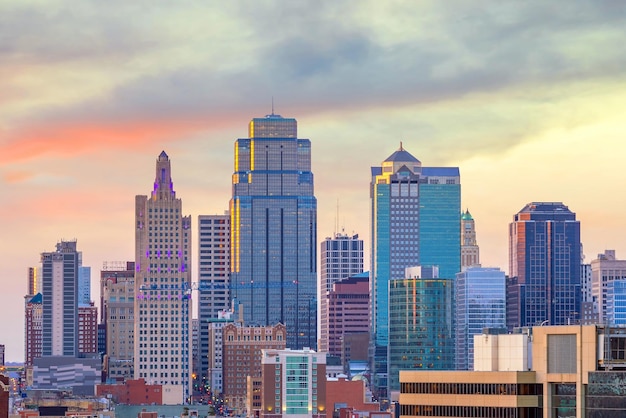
524, 98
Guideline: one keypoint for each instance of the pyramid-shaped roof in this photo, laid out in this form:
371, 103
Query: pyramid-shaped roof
402, 156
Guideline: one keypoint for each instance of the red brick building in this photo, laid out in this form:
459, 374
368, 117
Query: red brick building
33, 311
4, 396
132, 392
344, 393
87, 329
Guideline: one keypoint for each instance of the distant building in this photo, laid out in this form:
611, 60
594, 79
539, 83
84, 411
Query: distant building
132, 392
213, 280
33, 324
4, 395
241, 355
544, 266
60, 300
470, 253
421, 323
215, 352
341, 257
348, 306
87, 329
604, 270
480, 302
34, 281
588, 305
117, 301
294, 384
84, 285
616, 302
2, 348
195, 361
355, 352
163, 286
66, 372
343, 393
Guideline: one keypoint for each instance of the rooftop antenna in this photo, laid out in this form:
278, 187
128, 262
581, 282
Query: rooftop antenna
337, 218
272, 105
401, 149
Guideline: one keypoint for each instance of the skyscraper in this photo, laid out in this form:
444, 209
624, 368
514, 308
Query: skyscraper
163, 286
341, 257
605, 269
415, 221
60, 300
274, 230
544, 266
32, 328
213, 280
470, 255
480, 302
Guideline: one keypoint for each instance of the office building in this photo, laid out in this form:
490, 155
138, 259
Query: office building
162, 352
60, 300
588, 305
421, 323
33, 326
544, 266
604, 270
84, 285
341, 257
348, 310
616, 302
213, 280
480, 302
117, 292
415, 221
294, 384
273, 214
216, 349
87, 329
2, 354
34, 282
470, 253
242, 346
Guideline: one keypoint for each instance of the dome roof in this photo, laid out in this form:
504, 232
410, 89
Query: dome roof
466, 216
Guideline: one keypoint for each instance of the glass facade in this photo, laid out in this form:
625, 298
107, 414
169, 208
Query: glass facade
274, 230
420, 326
545, 262
616, 302
480, 302
415, 221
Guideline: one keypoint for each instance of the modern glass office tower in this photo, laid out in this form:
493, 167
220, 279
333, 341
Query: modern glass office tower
480, 302
274, 230
544, 265
341, 257
59, 280
415, 221
163, 286
605, 269
421, 323
213, 280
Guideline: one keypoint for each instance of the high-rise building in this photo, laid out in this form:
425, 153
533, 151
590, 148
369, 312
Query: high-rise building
348, 310
606, 268
294, 384
415, 221
421, 323
34, 282
33, 325
242, 358
84, 285
216, 350
213, 280
60, 300
544, 266
588, 304
341, 257
1, 354
480, 302
117, 293
273, 214
162, 307
87, 329
470, 253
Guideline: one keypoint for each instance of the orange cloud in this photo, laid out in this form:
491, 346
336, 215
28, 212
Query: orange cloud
17, 176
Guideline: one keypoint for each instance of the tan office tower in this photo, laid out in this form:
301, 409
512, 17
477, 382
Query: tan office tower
469, 247
163, 288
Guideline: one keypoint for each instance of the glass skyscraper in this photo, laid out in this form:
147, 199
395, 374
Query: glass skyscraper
480, 302
415, 221
544, 266
421, 323
274, 230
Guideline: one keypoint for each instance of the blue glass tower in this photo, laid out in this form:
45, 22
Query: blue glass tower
274, 230
415, 221
545, 266
480, 302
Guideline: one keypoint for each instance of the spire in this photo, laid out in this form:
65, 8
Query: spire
163, 186
401, 149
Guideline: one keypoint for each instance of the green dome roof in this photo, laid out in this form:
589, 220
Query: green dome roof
466, 216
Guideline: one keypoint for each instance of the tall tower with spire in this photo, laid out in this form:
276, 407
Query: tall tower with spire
470, 255
415, 221
162, 305
273, 221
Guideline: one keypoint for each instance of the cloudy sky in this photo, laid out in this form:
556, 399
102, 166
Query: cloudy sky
527, 98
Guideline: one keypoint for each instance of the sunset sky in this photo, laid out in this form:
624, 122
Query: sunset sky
527, 98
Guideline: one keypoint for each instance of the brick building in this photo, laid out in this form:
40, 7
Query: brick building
133, 392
